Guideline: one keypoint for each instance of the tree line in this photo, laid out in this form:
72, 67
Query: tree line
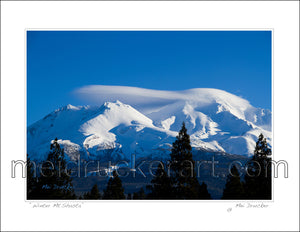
179, 182
256, 184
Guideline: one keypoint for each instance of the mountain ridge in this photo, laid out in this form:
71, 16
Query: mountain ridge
216, 121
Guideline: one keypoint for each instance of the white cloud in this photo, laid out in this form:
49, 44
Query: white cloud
147, 100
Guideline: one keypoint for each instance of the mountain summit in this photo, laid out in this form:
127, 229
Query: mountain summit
216, 121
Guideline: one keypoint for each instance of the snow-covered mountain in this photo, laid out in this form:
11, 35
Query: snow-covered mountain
216, 121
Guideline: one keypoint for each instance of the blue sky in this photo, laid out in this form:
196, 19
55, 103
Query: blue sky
58, 62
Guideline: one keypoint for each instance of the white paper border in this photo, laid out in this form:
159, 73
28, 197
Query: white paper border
282, 16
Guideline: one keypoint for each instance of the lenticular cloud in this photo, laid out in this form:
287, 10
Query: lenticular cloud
148, 100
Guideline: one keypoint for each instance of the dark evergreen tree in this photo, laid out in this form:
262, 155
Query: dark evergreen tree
161, 187
93, 194
234, 189
140, 195
129, 196
183, 176
55, 181
31, 179
258, 178
203, 193
114, 189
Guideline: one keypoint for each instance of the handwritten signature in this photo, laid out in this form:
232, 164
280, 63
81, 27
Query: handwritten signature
259, 205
